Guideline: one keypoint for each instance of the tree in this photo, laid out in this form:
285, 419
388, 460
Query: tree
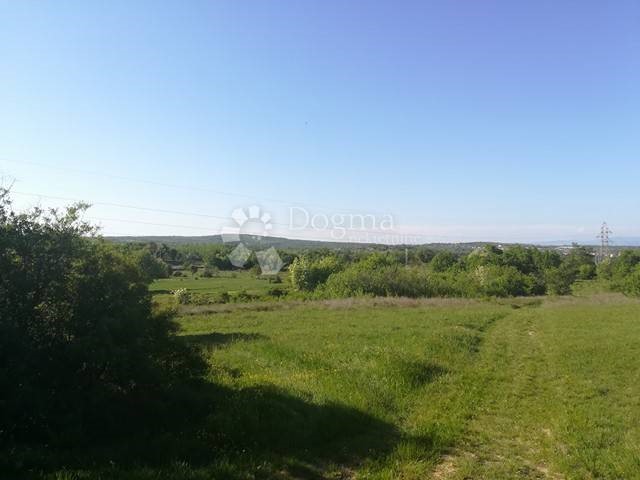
153, 267
559, 280
307, 274
80, 349
631, 284
443, 261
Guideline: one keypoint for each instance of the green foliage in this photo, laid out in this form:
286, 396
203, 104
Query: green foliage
559, 280
80, 350
499, 281
443, 261
150, 265
277, 292
306, 273
379, 275
631, 284
182, 296
209, 272
620, 268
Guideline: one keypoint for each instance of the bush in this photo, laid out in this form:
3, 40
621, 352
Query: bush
81, 352
631, 285
496, 281
276, 292
223, 297
152, 266
559, 281
307, 274
208, 272
443, 261
390, 280
586, 271
182, 296
244, 296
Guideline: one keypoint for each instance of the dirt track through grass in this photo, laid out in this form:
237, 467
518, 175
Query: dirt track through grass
564, 396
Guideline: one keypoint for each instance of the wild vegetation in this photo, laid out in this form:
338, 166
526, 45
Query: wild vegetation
354, 370
82, 353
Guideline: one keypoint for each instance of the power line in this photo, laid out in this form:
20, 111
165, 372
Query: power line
190, 227
195, 214
182, 187
121, 205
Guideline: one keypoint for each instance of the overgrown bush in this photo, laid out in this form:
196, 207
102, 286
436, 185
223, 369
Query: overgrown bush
152, 266
208, 272
182, 296
276, 292
497, 281
81, 352
307, 274
559, 281
631, 284
443, 261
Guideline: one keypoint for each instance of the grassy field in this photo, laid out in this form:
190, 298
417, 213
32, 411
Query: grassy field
223, 282
402, 389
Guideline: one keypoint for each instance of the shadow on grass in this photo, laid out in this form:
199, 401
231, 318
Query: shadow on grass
420, 373
258, 432
217, 339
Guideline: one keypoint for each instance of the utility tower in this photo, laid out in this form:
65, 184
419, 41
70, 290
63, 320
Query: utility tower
604, 252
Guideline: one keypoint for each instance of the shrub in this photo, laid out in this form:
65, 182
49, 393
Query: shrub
443, 261
559, 281
631, 285
182, 296
586, 271
276, 292
244, 296
208, 272
151, 266
223, 297
307, 274
80, 350
496, 281
621, 267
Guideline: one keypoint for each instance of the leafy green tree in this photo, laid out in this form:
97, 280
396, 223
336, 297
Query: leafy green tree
306, 274
631, 285
580, 261
150, 265
501, 281
443, 261
80, 350
559, 280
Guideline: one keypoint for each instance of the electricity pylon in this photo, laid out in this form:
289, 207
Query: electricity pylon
604, 251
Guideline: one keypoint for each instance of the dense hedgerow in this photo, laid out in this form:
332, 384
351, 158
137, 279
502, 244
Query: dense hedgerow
490, 271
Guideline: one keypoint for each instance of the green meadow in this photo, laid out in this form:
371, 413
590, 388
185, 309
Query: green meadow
230, 282
530, 388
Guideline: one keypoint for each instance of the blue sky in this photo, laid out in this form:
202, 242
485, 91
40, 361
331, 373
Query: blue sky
464, 120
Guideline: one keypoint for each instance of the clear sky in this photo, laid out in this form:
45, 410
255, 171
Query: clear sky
464, 120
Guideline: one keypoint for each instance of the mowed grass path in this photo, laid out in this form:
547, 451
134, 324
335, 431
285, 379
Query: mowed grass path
399, 389
564, 402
